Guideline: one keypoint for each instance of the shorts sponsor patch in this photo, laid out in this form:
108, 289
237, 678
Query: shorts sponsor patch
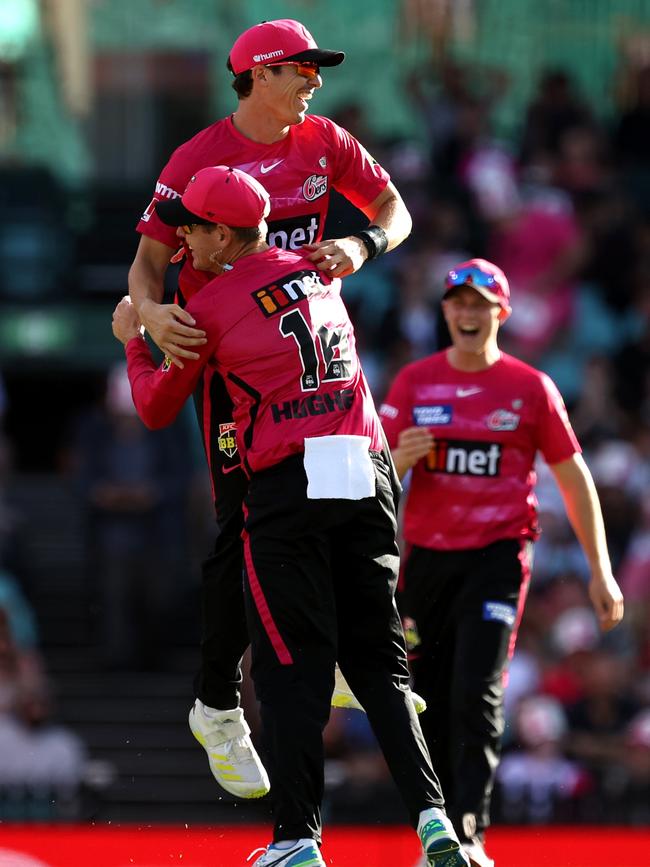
439, 414
499, 611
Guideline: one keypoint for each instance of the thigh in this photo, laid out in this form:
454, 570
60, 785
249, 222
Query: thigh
288, 586
365, 563
488, 613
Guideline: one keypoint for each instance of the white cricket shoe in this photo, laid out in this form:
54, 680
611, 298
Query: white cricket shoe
301, 853
440, 844
344, 697
225, 736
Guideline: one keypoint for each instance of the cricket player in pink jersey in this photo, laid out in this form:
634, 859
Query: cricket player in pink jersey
299, 158
320, 550
469, 422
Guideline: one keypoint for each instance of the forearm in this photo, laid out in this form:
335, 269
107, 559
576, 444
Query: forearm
390, 213
403, 461
144, 285
156, 405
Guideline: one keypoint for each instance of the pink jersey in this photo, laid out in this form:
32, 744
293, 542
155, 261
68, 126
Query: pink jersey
280, 336
476, 484
298, 172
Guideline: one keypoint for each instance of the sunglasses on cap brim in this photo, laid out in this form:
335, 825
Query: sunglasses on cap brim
472, 277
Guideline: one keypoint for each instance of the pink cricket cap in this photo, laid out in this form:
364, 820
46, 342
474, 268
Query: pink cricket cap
479, 274
218, 194
276, 42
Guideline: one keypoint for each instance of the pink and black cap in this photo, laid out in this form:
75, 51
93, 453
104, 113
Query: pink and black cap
218, 194
279, 41
479, 274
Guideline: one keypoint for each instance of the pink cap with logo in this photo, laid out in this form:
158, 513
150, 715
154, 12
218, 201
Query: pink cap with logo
479, 274
218, 194
278, 41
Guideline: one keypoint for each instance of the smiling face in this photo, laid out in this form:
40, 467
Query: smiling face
202, 241
473, 323
287, 91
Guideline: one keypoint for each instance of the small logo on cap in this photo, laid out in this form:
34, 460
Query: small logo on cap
260, 58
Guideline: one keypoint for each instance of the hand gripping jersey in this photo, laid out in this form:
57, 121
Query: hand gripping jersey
280, 336
298, 172
475, 486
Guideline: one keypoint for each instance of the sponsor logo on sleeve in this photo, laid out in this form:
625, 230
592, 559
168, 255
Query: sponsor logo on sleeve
165, 192
503, 420
314, 187
500, 611
389, 411
227, 440
430, 416
149, 211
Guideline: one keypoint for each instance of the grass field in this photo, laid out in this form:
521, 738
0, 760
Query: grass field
132, 846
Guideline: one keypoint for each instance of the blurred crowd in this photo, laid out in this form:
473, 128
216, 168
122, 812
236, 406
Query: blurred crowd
565, 211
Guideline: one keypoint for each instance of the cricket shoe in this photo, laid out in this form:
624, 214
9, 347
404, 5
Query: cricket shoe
476, 853
300, 853
345, 698
439, 841
225, 736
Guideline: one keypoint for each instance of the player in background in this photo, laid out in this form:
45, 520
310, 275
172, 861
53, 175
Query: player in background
298, 158
320, 550
469, 422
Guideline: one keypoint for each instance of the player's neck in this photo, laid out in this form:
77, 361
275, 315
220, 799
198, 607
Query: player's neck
473, 362
258, 125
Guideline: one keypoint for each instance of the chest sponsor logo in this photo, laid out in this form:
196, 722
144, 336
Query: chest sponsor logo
292, 233
464, 458
430, 416
503, 419
227, 440
316, 404
388, 411
499, 611
291, 290
314, 187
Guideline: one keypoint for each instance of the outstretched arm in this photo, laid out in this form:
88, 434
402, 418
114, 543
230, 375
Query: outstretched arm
583, 508
169, 326
342, 256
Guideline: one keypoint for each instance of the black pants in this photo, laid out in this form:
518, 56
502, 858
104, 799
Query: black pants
320, 584
224, 632
466, 606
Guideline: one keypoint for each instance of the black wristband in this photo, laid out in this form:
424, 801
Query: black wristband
374, 240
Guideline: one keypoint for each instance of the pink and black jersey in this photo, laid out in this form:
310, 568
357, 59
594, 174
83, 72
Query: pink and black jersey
299, 171
476, 484
280, 336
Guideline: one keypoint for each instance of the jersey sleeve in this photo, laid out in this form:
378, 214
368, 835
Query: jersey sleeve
160, 392
396, 411
557, 440
357, 175
170, 185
